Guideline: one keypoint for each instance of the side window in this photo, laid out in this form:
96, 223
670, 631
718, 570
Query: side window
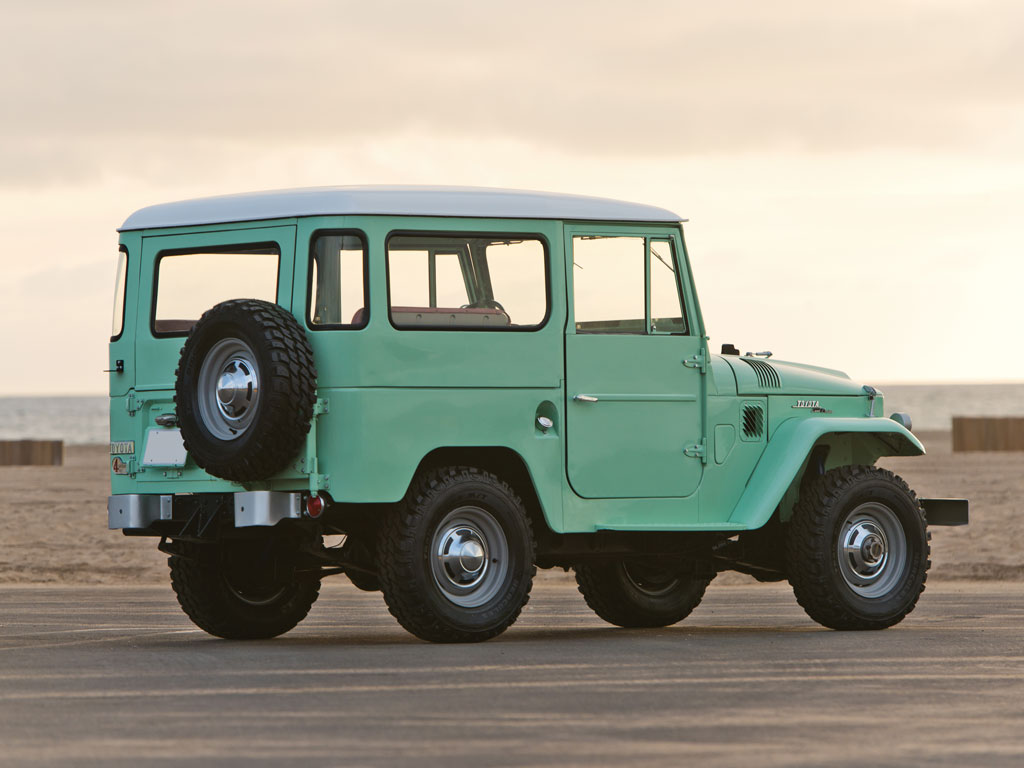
469, 281
666, 304
425, 277
120, 284
338, 284
189, 283
608, 284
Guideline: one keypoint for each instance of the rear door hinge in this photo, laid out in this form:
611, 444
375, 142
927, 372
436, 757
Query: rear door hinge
700, 360
317, 482
132, 404
310, 465
697, 451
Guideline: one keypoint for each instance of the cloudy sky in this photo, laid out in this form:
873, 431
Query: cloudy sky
853, 173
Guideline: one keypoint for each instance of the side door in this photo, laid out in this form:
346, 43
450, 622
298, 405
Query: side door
634, 384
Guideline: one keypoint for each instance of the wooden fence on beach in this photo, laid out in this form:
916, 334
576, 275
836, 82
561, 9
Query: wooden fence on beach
988, 433
31, 452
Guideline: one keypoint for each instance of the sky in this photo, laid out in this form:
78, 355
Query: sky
853, 173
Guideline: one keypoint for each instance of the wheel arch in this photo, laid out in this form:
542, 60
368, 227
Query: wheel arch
505, 463
800, 447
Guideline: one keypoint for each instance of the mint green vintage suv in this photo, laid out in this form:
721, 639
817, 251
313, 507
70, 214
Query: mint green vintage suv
437, 390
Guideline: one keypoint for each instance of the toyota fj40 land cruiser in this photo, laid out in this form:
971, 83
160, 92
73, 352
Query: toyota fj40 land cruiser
467, 384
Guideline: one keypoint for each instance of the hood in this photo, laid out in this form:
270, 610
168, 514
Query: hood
758, 376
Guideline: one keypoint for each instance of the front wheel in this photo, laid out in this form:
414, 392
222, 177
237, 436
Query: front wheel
242, 589
455, 558
857, 549
633, 593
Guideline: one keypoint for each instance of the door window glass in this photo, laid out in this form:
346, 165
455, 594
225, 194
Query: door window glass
666, 307
608, 284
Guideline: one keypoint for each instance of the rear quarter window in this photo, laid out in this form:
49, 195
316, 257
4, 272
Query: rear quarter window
467, 281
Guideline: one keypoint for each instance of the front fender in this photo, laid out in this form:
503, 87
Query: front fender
791, 444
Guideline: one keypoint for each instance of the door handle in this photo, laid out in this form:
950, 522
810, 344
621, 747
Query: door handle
585, 399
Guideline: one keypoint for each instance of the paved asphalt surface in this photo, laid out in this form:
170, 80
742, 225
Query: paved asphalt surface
118, 676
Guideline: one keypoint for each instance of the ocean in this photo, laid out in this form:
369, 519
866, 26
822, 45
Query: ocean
83, 420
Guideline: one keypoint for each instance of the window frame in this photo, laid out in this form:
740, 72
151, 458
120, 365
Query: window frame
232, 248
493, 234
367, 309
678, 250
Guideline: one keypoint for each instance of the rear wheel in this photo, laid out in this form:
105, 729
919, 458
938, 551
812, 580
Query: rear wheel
242, 589
857, 549
455, 558
632, 593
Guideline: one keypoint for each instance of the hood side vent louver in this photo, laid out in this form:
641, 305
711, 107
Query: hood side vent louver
767, 376
753, 421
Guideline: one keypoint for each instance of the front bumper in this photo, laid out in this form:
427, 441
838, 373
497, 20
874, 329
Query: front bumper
945, 511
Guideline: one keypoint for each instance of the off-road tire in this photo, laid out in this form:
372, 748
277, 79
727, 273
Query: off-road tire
367, 582
407, 556
286, 390
620, 597
815, 537
202, 581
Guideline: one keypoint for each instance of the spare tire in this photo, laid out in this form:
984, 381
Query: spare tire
244, 390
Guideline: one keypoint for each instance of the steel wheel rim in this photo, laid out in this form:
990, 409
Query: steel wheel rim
872, 550
229, 389
469, 557
650, 581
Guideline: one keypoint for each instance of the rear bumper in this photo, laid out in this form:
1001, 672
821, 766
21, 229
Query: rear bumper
156, 515
945, 511
137, 510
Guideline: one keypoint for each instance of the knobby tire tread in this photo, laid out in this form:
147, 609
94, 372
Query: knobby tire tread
606, 597
397, 556
288, 392
198, 583
809, 548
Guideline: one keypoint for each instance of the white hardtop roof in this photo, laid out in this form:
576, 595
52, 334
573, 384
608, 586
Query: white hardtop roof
470, 202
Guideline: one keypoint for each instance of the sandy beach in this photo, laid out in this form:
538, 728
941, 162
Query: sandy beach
55, 520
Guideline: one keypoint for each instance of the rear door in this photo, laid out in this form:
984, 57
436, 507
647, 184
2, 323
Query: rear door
181, 277
189, 274
634, 387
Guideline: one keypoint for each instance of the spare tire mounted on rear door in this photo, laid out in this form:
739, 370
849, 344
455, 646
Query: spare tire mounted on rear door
244, 389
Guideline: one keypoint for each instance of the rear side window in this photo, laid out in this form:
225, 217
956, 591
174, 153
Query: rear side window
338, 281
120, 285
471, 281
190, 282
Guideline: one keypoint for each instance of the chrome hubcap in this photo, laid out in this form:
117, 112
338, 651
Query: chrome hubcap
228, 389
872, 550
237, 388
469, 557
463, 556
